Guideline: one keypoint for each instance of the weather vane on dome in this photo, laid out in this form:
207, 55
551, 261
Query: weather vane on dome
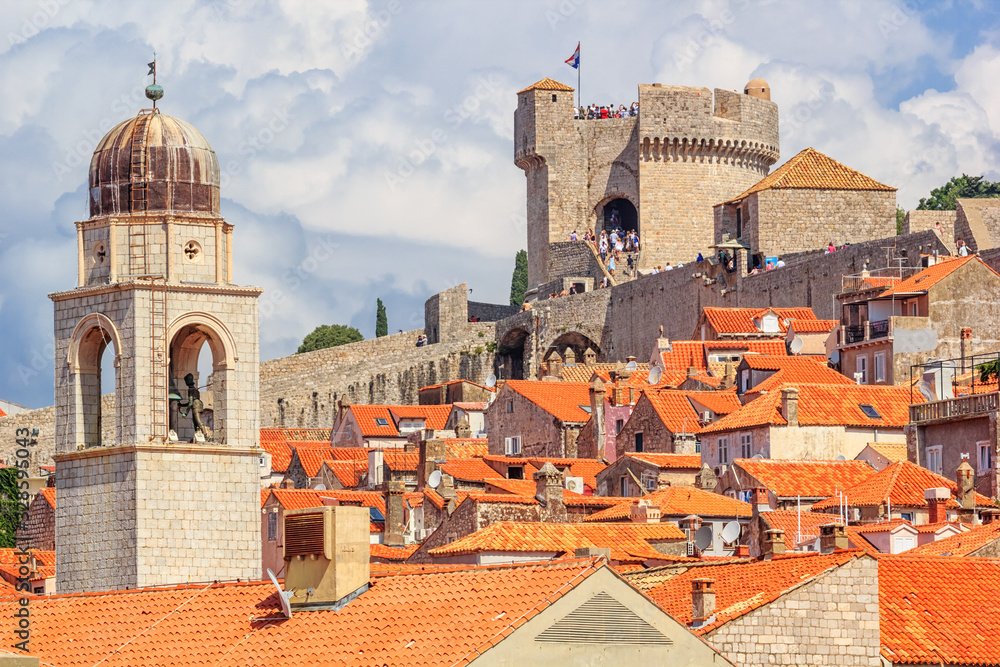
153, 91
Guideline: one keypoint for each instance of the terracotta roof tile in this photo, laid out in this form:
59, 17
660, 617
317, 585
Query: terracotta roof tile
720, 402
451, 382
275, 434
932, 275
467, 448
562, 400
49, 493
812, 170
812, 326
883, 526
963, 544
792, 522
374, 421
692, 461
350, 474
740, 587
435, 416
546, 84
395, 554
408, 618
686, 354
469, 470
281, 450
400, 461
808, 479
741, 320
10, 556
626, 541
903, 483
799, 370
892, 451
939, 610
674, 410
311, 459
679, 500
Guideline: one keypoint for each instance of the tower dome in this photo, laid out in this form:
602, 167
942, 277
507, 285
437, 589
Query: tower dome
153, 163
757, 88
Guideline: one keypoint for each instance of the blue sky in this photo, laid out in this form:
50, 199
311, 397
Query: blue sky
366, 146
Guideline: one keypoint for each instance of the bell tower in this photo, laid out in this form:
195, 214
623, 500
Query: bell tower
156, 500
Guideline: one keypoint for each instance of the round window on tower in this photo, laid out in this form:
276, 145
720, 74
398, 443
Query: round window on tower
100, 254
192, 252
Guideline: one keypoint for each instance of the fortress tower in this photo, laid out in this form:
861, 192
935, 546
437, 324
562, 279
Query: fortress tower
662, 171
158, 503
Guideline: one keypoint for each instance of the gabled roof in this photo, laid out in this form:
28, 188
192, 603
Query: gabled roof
680, 500
811, 170
890, 450
350, 473
794, 370
49, 493
312, 459
451, 382
562, 400
686, 354
281, 450
399, 461
808, 479
903, 483
720, 402
825, 405
434, 416
467, 448
963, 544
939, 610
886, 527
394, 554
792, 522
741, 320
585, 468
427, 617
469, 470
626, 541
932, 275
668, 460
545, 84
812, 326
740, 587
674, 410
368, 416
296, 499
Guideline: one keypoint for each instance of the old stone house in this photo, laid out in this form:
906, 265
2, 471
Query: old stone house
385, 426
637, 473
712, 357
668, 421
747, 323
455, 391
891, 321
823, 200
38, 528
790, 484
808, 421
536, 418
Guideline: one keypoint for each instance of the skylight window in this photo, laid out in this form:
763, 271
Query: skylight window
870, 412
585, 408
381, 421
375, 515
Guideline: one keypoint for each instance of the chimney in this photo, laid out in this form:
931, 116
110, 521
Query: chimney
761, 500
833, 537
394, 525
773, 543
690, 525
705, 479
597, 412
593, 552
447, 487
965, 477
728, 376
790, 405
989, 516
702, 602
431, 450
326, 556
937, 499
288, 483
555, 364
965, 345
589, 357
376, 469
644, 512
549, 492
570, 357
685, 443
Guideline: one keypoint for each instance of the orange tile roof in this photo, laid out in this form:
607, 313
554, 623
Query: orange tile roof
824, 405
409, 618
963, 544
277, 434
365, 415
296, 499
470, 406
395, 554
811, 170
812, 326
740, 587
626, 541
585, 468
692, 461
281, 450
932, 275
939, 610
562, 400
741, 320
469, 470
435, 416
903, 483
891, 451
883, 526
351, 474
801, 370
49, 493
674, 410
686, 354
679, 500
790, 522
10, 556
400, 461
467, 448
808, 479
720, 402
546, 84
522, 487
311, 459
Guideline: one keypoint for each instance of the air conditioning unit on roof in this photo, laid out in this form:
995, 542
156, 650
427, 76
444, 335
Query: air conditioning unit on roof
574, 484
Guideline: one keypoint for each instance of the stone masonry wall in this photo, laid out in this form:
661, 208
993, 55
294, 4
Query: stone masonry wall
655, 436
832, 620
541, 433
38, 529
490, 312
819, 217
922, 221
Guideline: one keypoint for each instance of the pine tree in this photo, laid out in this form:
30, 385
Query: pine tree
381, 322
519, 281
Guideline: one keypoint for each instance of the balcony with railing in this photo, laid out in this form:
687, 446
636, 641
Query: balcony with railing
954, 408
862, 333
955, 388
877, 278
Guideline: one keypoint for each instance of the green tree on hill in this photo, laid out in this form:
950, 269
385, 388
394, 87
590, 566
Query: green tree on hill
10, 507
329, 335
519, 281
960, 187
381, 322
900, 218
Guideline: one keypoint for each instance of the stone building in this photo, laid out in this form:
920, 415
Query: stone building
659, 173
635, 474
38, 528
820, 199
155, 288
533, 418
663, 422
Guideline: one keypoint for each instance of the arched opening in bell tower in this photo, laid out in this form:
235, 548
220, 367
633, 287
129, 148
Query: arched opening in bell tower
200, 364
94, 358
621, 214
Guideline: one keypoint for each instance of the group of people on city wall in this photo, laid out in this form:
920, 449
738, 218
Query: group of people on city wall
594, 111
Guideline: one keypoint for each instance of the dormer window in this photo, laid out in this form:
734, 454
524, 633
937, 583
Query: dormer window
769, 323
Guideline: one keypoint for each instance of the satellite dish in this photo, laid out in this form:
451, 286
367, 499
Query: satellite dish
703, 538
841, 458
284, 596
631, 366
491, 381
731, 532
835, 357
758, 455
654, 375
796, 345
319, 487
434, 481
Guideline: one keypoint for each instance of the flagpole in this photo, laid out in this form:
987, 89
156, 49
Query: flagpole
579, 66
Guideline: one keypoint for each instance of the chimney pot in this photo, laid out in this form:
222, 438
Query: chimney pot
937, 500
702, 601
833, 537
593, 552
790, 405
773, 543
